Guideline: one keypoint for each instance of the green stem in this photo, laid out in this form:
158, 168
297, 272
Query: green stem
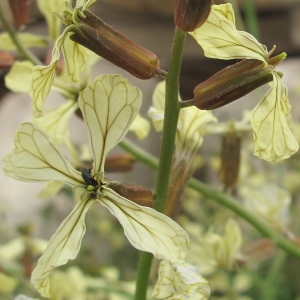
170, 121
166, 151
232, 204
251, 18
223, 199
25, 53
271, 287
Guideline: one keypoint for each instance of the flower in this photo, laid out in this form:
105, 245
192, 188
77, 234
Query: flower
180, 281
191, 123
109, 105
220, 39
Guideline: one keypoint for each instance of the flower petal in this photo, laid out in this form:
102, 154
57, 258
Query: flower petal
180, 281
18, 78
63, 246
47, 8
109, 106
272, 136
220, 39
42, 78
140, 127
147, 229
55, 123
75, 57
36, 158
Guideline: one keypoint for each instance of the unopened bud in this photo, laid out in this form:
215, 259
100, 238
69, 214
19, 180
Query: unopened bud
6, 59
230, 159
232, 83
94, 34
119, 162
136, 193
191, 14
19, 10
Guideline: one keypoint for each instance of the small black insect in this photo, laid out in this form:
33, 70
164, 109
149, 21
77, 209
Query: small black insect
88, 178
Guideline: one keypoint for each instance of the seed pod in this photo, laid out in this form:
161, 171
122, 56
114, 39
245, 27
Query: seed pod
20, 12
94, 34
191, 14
136, 193
232, 83
230, 159
119, 162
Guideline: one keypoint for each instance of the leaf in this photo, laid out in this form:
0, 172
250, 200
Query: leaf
18, 78
220, 39
147, 229
35, 158
63, 246
42, 78
272, 136
109, 105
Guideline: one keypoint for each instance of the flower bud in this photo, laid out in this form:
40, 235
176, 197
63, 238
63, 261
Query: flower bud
232, 83
191, 14
119, 162
6, 59
94, 34
136, 193
230, 159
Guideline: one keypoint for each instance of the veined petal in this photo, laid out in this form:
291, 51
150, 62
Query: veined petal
55, 123
109, 105
180, 281
272, 136
63, 246
220, 39
35, 158
42, 78
191, 127
75, 57
147, 229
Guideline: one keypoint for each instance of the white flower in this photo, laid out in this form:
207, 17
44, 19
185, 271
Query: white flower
220, 39
109, 105
180, 281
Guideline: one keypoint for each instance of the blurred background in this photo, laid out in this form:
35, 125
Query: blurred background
150, 24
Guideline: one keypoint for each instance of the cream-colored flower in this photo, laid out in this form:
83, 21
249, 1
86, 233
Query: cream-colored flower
269, 202
180, 281
211, 251
109, 105
220, 39
75, 58
191, 123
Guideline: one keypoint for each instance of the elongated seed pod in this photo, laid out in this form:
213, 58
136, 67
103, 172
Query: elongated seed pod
232, 83
110, 44
136, 193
